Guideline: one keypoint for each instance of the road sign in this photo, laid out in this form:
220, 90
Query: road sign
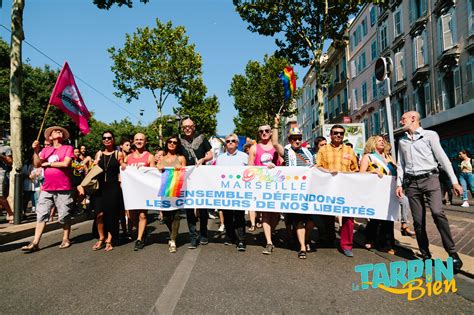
383, 89
381, 68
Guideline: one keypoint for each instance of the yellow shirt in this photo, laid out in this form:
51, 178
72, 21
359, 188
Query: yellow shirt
341, 159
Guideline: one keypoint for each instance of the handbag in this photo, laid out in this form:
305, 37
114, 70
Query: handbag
91, 182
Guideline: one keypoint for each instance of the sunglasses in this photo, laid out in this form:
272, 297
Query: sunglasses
231, 141
296, 138
264, 131
172, 142
338, 133
188, 127
107, 138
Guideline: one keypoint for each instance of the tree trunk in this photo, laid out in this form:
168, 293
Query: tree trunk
15, 91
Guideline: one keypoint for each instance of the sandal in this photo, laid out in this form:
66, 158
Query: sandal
259, 225
302, 254
99, 245
65, 244
32, 247
252, 228
108, 246
368, 246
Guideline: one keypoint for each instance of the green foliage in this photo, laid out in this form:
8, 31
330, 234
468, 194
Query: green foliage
107, 4
258, 95
159, 60
303, 24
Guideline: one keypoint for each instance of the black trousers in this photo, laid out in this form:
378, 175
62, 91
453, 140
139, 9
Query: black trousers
234, 222
192, 220
380, 233
417, 191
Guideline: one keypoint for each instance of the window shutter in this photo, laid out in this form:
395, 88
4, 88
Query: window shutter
354, 99
353, 69
399, 66
411, 10
469, 79
374, 88
416, 100
406, 105
419, 52
423, 7
446, 31
457, 86
471, 16
428, 98
425, 47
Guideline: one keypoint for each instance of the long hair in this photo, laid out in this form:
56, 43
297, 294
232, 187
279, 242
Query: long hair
179, 148
370, 144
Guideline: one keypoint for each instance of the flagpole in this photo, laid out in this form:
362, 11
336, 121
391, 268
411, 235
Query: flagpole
42, 124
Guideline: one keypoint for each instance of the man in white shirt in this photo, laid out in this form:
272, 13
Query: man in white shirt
419, 152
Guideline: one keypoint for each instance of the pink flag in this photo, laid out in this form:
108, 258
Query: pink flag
66, 97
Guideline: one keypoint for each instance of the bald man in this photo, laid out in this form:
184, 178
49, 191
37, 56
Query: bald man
140, 157
419, 152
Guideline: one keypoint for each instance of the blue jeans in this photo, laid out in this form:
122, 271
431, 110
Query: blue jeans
466, 179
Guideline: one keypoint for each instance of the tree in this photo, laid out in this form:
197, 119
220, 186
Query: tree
258, 95
15, 91
202, 110
107, 4
159, 60
305, 25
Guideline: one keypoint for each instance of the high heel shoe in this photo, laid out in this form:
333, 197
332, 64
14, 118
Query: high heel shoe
406, 232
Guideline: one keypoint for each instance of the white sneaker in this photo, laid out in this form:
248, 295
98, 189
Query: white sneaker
212, 217
172, 246
221, 228
465, 204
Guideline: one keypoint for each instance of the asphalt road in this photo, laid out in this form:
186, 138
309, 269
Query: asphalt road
211, 279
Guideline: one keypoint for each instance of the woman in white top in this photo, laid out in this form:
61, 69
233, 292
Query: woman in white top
466, 178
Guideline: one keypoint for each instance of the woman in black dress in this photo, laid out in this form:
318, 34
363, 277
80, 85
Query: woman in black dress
108, 201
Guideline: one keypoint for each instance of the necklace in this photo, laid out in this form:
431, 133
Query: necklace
106, 163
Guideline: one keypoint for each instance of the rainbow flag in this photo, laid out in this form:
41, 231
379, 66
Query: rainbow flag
289, 82
172, 181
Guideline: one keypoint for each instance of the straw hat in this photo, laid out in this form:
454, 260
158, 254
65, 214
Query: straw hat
48, 131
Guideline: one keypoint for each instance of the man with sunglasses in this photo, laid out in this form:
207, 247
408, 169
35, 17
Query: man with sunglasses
264, 154
296, 155
234, 220
338, 157
197, 151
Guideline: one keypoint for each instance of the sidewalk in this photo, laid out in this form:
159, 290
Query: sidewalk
11, 232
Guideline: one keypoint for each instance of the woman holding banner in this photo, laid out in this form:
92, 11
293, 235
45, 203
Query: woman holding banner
172, 158
377, 161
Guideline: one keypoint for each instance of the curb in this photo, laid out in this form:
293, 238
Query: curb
18, 232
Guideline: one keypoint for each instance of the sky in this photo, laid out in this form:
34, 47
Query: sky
78, 32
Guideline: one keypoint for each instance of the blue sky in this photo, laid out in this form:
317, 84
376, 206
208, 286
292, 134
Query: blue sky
77, 32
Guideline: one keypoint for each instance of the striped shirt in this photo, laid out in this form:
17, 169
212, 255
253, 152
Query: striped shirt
341, 159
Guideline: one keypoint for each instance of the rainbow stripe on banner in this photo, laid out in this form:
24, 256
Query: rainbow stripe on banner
289, 82
172, 181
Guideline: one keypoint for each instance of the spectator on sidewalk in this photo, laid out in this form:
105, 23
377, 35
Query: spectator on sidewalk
466, 177
28, 187
56, 161
419, 152
6, 161
445, 183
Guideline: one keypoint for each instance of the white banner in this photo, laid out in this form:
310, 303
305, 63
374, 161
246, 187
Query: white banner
282, 189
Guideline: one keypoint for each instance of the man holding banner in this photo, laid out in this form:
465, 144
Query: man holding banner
197, 150
338, 157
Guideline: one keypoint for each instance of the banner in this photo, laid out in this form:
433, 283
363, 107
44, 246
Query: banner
66, 97
281, 189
